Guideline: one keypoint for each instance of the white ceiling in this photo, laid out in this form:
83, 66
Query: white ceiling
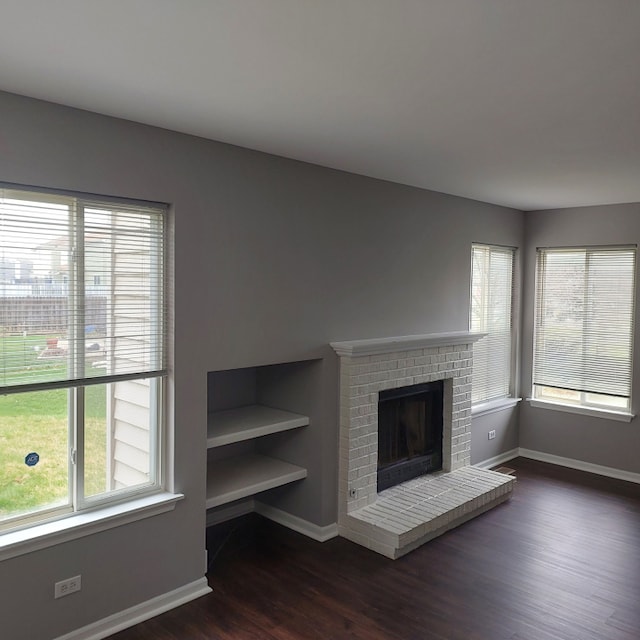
527, 103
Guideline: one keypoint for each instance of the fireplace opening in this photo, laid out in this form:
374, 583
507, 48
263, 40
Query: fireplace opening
410, 425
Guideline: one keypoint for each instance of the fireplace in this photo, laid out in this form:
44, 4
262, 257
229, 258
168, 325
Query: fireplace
410, 423
378, 379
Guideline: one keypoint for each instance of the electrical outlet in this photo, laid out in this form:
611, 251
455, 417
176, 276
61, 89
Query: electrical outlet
67, 587
492, 434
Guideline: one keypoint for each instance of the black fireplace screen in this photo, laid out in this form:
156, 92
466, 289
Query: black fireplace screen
410, 424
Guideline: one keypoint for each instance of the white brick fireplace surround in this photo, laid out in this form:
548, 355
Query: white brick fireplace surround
401, 518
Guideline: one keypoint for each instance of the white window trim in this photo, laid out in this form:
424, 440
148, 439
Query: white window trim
501, 404
623, 415
95, 514
620, 416
78, 525
484, 407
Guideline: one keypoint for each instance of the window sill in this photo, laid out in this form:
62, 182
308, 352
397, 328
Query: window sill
486, 408
48, 534
620, 416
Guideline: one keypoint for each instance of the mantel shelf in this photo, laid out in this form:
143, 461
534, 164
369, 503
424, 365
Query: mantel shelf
243, 476
245, 423
376, 346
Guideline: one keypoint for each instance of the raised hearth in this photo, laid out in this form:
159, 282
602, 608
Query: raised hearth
399, 519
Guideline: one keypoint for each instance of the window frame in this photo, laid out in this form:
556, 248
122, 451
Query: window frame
510, 398
582, 401
98, 512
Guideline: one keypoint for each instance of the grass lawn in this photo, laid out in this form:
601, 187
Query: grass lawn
38, 422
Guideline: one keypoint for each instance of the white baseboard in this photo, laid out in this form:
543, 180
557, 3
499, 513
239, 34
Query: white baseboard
610, 472
140, 612
580, 465
313, 531
499, 459
321, 534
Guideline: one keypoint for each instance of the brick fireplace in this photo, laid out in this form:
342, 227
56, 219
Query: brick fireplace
401, 518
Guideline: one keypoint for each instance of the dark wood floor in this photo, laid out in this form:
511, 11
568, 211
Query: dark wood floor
559, 561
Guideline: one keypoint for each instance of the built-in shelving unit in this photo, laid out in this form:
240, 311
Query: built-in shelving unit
248, 408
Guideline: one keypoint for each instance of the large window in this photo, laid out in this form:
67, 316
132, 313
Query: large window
584, 320
82, 352
491, 313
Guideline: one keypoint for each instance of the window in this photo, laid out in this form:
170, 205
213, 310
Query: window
584, 321
491, 313
82, 352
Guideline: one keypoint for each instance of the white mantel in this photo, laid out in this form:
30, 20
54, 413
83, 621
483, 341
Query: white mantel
375, 346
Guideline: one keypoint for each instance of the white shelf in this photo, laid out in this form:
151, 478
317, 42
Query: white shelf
243, 476
244, 423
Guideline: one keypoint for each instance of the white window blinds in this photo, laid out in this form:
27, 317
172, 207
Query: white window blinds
491, 313
584, 319
81, 290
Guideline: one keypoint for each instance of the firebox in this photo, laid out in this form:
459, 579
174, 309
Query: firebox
410, 425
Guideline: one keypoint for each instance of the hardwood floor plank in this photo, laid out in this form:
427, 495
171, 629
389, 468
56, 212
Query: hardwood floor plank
559, 561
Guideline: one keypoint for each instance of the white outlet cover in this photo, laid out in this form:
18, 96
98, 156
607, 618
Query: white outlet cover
67, 587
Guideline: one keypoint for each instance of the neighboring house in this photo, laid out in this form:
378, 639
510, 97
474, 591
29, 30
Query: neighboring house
54, 277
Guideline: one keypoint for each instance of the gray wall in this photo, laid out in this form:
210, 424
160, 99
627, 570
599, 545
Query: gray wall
506, 425
273, 260
594, 440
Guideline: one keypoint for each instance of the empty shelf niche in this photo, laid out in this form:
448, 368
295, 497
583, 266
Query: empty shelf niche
248, 451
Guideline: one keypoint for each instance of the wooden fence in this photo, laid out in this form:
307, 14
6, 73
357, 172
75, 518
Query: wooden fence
36, 314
